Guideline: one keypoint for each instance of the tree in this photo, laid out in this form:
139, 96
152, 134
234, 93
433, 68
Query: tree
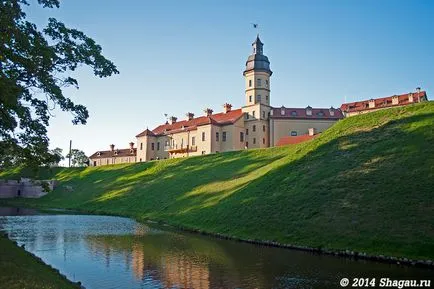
34, 67
78, 158
57, 156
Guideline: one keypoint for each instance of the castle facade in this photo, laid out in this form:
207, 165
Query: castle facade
255, 125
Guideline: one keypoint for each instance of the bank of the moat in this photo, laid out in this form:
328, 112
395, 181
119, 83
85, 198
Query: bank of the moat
116, 252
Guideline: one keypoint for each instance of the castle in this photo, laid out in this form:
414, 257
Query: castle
255, 125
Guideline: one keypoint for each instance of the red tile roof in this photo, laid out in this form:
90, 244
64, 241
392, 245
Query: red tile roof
146, 132
300, 113
383, 102
188, 125
111, 154
287, 140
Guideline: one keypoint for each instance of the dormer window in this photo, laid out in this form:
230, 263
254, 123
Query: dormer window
332, 111
98, 154
116, 152
282, 111
308, 110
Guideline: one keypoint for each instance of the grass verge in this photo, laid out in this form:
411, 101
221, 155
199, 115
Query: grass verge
366, 184
19, 270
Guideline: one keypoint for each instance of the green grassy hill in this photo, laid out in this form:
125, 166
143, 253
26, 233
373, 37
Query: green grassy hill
366, 184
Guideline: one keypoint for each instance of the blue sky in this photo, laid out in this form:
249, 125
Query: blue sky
181, 56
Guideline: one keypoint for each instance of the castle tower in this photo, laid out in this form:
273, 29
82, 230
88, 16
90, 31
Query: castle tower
257, 95
257, 76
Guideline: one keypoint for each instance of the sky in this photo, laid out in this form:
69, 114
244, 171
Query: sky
176, 57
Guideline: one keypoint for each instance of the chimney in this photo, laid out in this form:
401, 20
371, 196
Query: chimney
131, 145
112, 147
410, 97
208, 111
227, 107
189, 115
172, 119
371, 103
395, 100
312, 131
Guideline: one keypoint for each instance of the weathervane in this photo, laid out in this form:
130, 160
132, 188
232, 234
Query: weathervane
256, 26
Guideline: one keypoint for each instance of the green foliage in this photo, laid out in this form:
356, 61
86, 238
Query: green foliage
78, 158
57, 154
20, 270
365, 184
35, 63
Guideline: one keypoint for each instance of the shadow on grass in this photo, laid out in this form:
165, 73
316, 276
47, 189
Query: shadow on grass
364, 184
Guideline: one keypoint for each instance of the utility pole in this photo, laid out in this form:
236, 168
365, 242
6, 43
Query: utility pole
70, 146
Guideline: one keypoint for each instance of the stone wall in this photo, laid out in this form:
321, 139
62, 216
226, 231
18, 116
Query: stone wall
24, 188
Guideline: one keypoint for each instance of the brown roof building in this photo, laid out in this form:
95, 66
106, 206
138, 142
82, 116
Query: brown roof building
255, 125
374, 104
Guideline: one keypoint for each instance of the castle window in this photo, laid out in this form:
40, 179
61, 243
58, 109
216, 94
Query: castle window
263, 114
141, 146
152, 146
224, 136
241, 136
247, 131
216, 136
158, 146
266, 85
320, 113
193, 140
203, 136
263, 141
247, 144
254, 140
247, 115
250, 83
253, 113
293, 133
254, 128
266, 97
263, 128
250, 98
259, 82
293, 113
258, 98
140, 160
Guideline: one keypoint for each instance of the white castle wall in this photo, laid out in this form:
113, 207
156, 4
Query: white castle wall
25, 188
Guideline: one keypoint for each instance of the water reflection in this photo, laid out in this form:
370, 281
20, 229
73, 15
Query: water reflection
113, 252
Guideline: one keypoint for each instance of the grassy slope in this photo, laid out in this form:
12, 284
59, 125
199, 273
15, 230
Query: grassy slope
19, 270
365, 184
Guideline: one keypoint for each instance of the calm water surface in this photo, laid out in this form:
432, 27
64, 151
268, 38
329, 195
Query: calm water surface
113, 252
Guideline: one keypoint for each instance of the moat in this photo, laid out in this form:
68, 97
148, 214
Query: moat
114, 252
